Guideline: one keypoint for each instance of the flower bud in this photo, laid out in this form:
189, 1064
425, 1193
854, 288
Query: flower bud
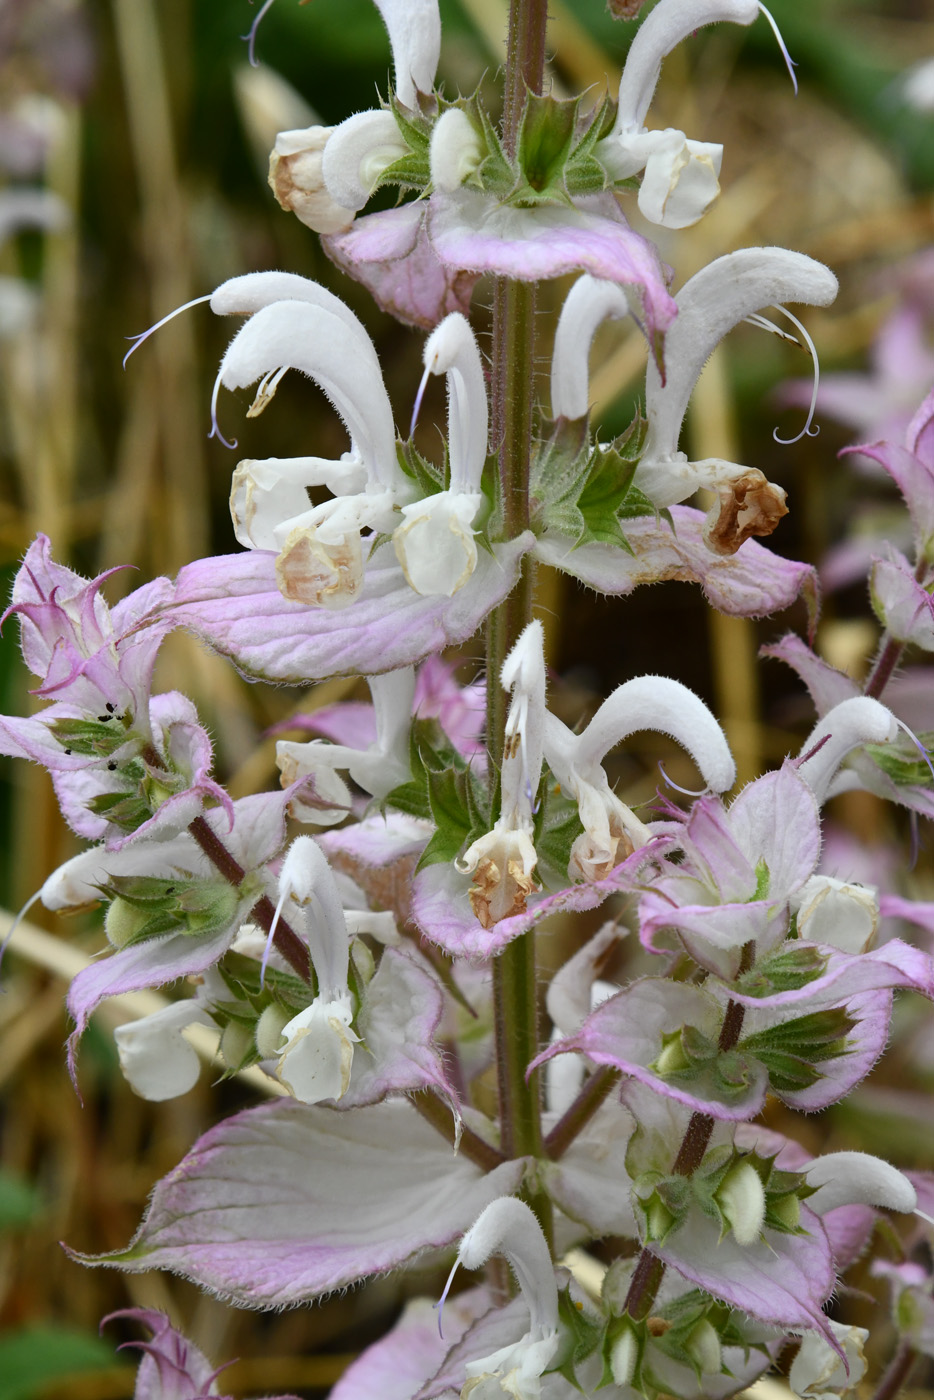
456, 151
122, 921
236, 1044
269, 1028
741, 1198
296, 180
703, 1346
624, 1355
839, 913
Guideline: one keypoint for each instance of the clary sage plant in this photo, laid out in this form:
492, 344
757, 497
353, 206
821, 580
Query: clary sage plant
366, 934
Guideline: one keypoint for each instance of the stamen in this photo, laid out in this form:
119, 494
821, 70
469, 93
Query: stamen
269, 938
266, 392
765, 324
443, 1299
215, 427
416, 407
688, 792
924, 1216
250, 38
917, 743
17, 921
789, 61
138, 339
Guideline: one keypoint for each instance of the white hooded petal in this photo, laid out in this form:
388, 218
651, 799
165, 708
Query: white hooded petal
851, 1178
710, 304
854, 722
660, 32
357, 153
415, 38
334, 350
452, 350
590, 301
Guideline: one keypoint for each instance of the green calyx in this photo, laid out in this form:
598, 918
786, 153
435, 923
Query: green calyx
585, 491
148, 906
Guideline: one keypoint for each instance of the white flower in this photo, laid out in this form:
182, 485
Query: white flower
377, 769
503, 860
297, 324
681, 178
435, 544
317, 1057
819, 1373
156, 1060
509, 1228
710, 304
611, 829
841, 914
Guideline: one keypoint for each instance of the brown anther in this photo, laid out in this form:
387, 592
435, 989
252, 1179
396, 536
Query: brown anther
496, 894
658, 1326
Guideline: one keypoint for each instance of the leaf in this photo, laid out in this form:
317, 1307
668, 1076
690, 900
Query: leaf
457, 809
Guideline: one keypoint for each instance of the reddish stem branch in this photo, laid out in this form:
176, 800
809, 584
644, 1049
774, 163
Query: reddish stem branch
285, 938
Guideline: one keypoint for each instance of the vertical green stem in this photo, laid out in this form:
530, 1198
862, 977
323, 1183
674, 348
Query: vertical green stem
515, 997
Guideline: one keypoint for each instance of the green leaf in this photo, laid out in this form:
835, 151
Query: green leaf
457, 806
125, 809
583, 173
31, 1358
791, 1051
242, 976
557, 827
98, 738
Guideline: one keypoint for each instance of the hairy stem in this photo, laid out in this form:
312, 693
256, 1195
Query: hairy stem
472, 1145
575, 1119
515, 999
897, 1373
